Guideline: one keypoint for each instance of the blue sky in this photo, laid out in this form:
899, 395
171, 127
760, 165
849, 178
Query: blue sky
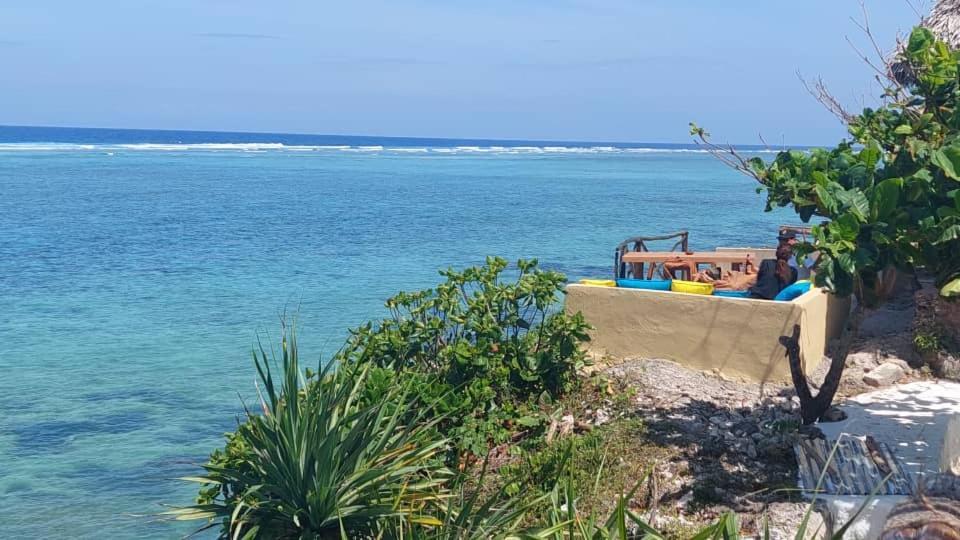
633, 70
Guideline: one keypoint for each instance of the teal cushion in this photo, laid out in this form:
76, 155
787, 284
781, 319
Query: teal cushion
793, 291
649, 284
732, 294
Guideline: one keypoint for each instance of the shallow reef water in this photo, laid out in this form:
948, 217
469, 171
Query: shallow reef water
135, 281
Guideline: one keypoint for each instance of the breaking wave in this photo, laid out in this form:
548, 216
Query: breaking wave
360, 149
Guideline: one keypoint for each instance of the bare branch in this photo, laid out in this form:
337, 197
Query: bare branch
821, 94
918, 9
727, 154
886, 73
767, 146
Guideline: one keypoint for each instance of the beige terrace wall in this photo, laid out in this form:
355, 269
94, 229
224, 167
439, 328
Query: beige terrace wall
739, 337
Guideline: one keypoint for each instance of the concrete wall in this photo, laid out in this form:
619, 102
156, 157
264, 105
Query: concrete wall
737, 336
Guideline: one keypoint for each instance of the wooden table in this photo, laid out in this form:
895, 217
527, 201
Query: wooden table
735, 259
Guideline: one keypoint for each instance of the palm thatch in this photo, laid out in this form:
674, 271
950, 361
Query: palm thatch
944, 21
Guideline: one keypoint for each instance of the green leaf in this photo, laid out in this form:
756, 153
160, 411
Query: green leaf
884, 198
846, 227
827, 201
870, 154
820, 178
903, 130
855, 201
948, 160
951, 289
528, 421
920, 40
950, 233
847, 263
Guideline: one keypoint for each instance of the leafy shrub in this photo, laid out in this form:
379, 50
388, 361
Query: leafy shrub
319, 461
890, 192
539, 469
926, 342
483, 349
476, 326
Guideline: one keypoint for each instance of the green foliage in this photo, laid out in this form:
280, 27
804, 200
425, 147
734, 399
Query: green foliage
319, 462
486, 351
475, 326
569, 522
539, 469
891, 194
926, 342
469, 516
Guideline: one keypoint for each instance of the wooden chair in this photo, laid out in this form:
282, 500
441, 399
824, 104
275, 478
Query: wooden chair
622, 270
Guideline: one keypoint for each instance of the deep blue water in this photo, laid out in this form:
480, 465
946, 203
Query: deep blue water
137, 268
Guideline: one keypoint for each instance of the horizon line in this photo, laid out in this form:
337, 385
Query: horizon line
692, 142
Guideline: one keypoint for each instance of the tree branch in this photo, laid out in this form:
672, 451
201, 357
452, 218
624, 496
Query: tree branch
821, 94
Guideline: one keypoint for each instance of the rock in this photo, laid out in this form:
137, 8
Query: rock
747, 428
898, 361
784, 518
949, 367
834, 414
863, 359
601, 417
884, 375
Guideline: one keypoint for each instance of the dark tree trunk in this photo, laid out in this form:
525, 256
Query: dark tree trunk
812, 408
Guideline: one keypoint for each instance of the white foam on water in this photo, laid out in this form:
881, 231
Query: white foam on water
45, 147
262, 147
203, 146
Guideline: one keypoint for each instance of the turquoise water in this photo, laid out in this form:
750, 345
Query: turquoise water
135, 279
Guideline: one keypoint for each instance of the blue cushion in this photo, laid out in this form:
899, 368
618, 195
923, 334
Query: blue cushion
793, 291
732, 294
649, 284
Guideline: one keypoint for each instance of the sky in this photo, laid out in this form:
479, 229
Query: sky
631, 70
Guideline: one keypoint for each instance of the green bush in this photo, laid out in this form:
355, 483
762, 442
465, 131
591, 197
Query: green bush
890, 191
320, 462
483, 349
926, 342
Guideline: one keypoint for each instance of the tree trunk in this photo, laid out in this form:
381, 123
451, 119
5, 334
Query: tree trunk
812, 408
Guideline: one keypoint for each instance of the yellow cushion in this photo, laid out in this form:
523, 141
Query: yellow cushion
599, 282
691, 287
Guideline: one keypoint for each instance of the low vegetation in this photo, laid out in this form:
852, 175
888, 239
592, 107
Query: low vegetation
440, 422
487, 353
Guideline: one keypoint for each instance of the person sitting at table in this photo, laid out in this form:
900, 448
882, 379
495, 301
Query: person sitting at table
774, 275
789, 238
729, 280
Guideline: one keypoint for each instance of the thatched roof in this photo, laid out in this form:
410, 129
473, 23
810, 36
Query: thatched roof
944, 21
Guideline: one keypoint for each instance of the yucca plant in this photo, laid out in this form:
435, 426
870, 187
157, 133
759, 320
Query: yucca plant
468, 514
320, 463
571, 524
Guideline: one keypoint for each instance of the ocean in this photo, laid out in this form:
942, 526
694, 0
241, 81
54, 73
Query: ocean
139, 268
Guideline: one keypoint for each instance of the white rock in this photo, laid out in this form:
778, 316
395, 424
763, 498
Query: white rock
884, 375
865, 359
